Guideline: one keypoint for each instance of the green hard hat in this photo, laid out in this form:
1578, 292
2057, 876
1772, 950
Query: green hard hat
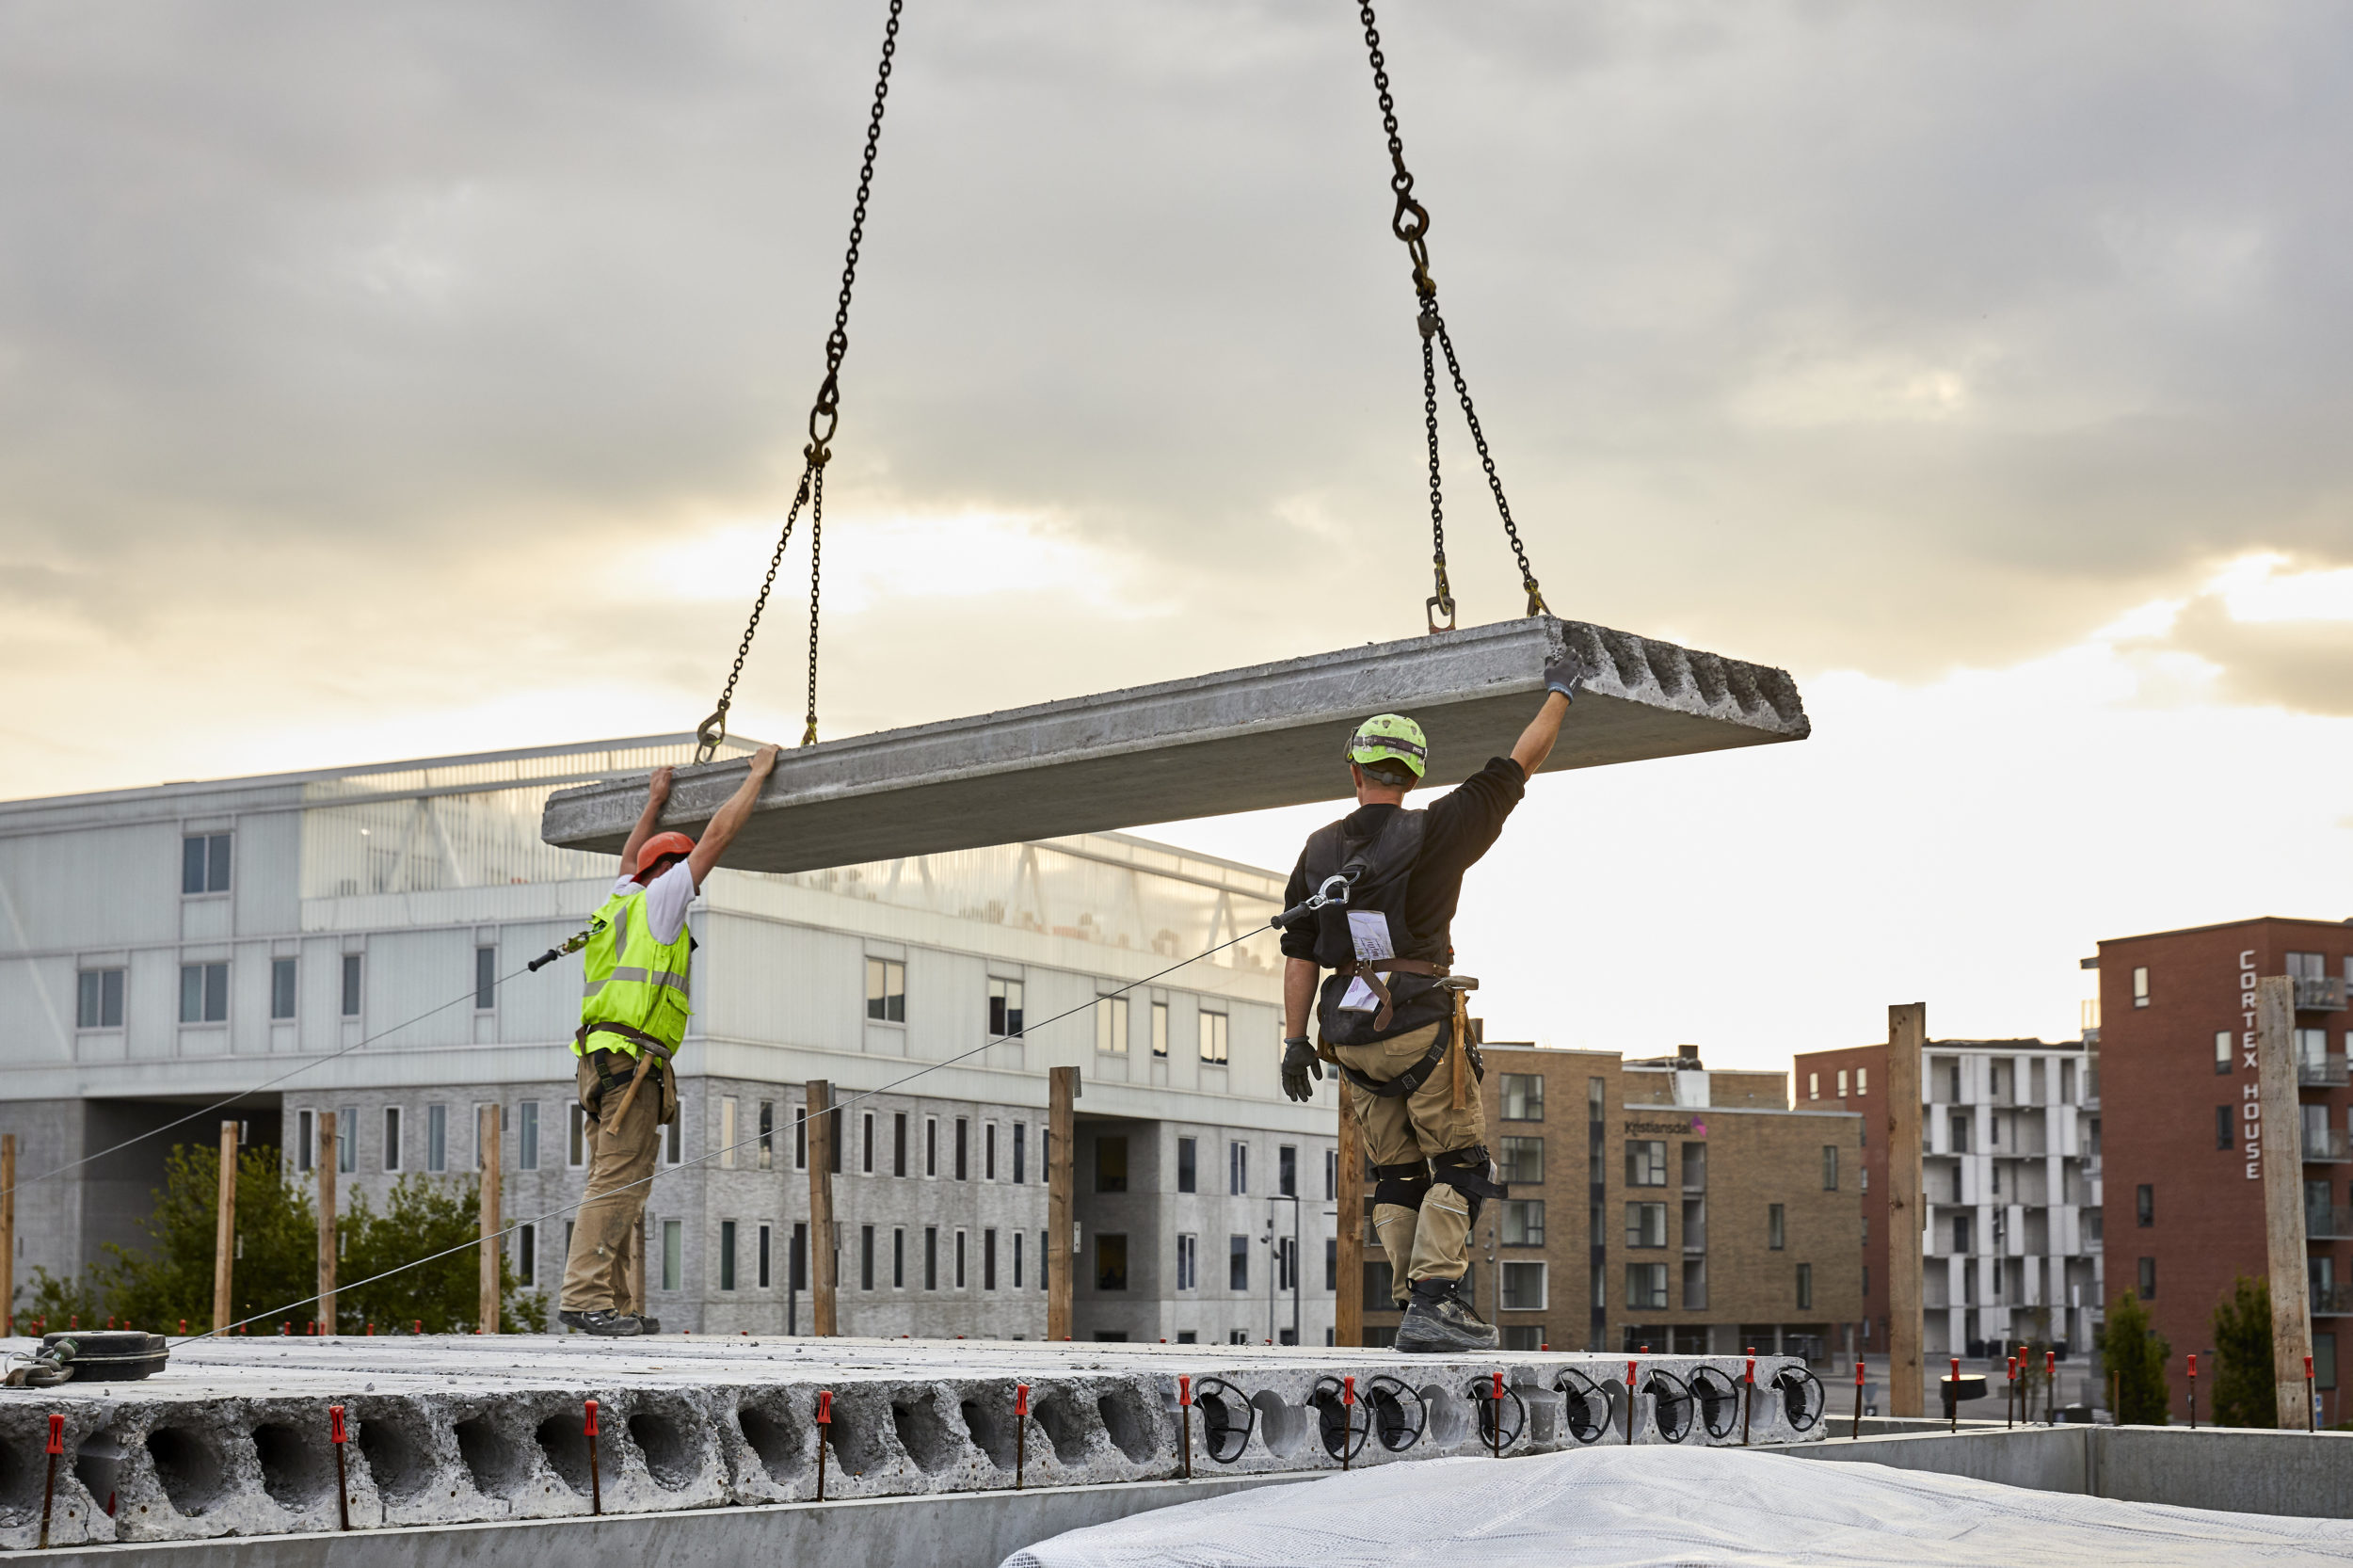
1390, 738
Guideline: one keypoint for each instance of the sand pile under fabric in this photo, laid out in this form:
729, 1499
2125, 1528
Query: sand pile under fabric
1642, 1507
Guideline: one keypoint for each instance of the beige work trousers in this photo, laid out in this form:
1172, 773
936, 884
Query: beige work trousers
1430, 1243
606, 1268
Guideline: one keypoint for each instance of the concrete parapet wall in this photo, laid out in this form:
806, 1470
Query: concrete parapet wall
232, 1439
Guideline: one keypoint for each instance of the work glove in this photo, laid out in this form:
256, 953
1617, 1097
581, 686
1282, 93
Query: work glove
1564, 675
1299, 1060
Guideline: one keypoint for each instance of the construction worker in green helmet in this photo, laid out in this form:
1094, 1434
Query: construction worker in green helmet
633, 1020
1389, 1013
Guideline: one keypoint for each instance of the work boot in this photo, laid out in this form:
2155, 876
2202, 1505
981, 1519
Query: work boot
1440, 1321
603, 1321
649, 1325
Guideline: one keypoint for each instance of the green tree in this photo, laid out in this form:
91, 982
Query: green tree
2244, 1392
423, 1216
2134, 1356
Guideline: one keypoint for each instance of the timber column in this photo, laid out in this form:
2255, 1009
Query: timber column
225, 1227
1907, 1033
821, 1253
2283, 1194
493, 1251
1062, 1128
328, 1155
1347, 1311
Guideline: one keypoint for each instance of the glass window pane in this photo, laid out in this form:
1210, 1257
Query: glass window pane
192, 865
486, 977
673, 1253
216, 993
111, 998
281, 988
191, 993
217, 864
86, 1004
351, 985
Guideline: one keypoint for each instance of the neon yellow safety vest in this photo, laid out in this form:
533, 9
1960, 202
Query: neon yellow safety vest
636, 994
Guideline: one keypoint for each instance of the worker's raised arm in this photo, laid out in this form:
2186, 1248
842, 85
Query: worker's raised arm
657, 797
1536, 742
730, 818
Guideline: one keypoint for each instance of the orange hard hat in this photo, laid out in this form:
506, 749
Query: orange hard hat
658, 847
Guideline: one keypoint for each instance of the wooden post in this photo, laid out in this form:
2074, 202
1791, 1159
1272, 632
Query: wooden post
821, 1253
2283, 1194
493, 1249
1062, 1128
7, 1234
328, 1155
1907, 1035
225, 1227
1348, 1327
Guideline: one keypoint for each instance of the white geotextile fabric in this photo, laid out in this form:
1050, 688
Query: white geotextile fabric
1657, 1507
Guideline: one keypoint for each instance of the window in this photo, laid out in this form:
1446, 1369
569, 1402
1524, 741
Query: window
1213, 1037
1020, 1155
1964, 1233
1695, 1167
866, 1258
348, 1140
2140, 986
898, 1260
203, 993
1958, 1128
1523, 1287
1645, 1225
1237, 1263
988, 1260
437, 1137
1523, 1096
1110, 1025
1646, 1162
527, 1255
204, 863
1188, 1164
964, 1148
931, 1258
1286, 1265
1287, 1171
1842, 1083
1776, 1226
305, 1141
1111, 1262
2307, 965
101, 999
576, 1141
931, 1147
1863, 1080
673, 1253
2222, 1127
898, 1142
1111, 1164
887, 991
2145, 1206
486, 979
1331, 1174
959, 1259
391, 1137
727, 1133
1806, 1287
1004, 1007
2311, 1047
1237, 1168
2222, 1051
1695, 1224
351, 986
1017, 1260
727, 1254
764, 1152
1694, 1284
762, 1252
1645, 1286
282, 989
1521, 1158
527, 1136
1160, 1029
1830, 1167
1523, 1221
988, 1152
1331, 1263
800, 1136
1814, 1086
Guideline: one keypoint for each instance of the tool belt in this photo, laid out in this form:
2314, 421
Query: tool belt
616, 1071
1411, 1078
1371, 971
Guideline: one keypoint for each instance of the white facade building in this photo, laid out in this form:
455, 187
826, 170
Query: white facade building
161, 948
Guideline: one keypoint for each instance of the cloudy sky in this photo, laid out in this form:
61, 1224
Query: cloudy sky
410, 378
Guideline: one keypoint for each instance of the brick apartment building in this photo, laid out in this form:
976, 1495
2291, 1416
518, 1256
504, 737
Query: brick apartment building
2011, 1173
2184, 1139
1655, 1202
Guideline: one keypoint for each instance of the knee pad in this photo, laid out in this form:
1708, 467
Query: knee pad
1465, 1169
1403, 1185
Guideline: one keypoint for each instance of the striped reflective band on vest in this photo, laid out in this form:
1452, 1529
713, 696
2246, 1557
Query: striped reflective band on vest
642, 977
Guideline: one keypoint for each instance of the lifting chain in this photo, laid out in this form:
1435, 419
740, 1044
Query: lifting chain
1410, 223
824, 417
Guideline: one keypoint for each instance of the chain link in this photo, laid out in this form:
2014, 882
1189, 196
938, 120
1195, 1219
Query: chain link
1410, 223
825, 417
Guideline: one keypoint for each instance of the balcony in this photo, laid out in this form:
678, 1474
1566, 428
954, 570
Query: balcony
2327, 1222
2333, 1301
2326, 1072
2326, 1149
2324, 994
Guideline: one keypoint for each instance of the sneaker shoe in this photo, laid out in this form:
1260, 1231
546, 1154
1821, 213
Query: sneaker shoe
603, 1321
1441, 1322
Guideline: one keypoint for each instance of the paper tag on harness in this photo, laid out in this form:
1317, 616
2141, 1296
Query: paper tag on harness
1368, 929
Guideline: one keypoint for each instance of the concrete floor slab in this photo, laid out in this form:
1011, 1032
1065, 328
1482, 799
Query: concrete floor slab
1237, 740
232, 1439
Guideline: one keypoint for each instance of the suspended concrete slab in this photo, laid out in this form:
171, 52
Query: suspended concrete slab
1239, 741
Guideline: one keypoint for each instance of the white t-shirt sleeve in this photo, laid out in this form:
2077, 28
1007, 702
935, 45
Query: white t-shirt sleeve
666, 899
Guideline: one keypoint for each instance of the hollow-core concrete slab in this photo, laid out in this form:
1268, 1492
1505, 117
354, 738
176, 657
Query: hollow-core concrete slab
1238, 741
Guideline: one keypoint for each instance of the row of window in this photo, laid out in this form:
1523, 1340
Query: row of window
1111, 1167
204, 992
952, 1156
1111, 1262
886, 1003
1862, 1084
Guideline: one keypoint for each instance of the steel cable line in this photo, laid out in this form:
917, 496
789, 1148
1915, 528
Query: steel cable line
562, 1209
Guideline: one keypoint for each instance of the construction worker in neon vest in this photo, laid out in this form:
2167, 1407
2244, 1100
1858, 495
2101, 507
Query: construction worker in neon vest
634, 1009
1390, 1015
